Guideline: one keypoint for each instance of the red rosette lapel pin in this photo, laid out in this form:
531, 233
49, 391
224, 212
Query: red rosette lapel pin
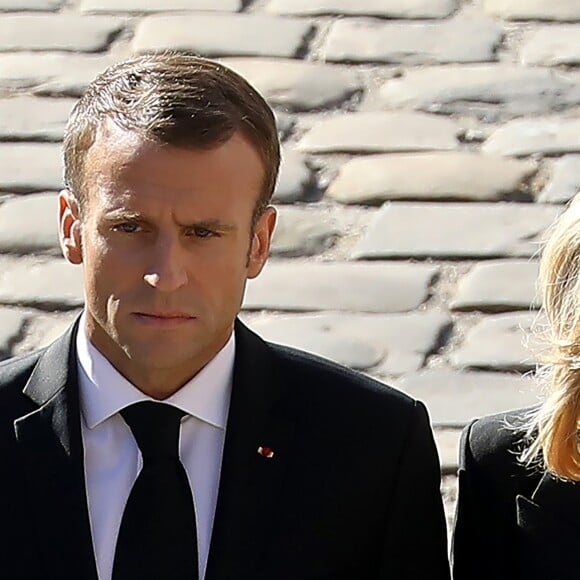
266, 452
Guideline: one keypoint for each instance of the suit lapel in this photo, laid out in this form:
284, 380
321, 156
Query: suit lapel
548, 528
250, 482
51, 447
562, 498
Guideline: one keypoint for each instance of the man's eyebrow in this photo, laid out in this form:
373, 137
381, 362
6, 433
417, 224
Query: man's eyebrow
211, 224
123, 214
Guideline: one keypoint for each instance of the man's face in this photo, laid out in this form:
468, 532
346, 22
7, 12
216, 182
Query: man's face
167, 245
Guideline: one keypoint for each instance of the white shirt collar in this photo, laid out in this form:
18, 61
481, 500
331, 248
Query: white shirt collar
104, 391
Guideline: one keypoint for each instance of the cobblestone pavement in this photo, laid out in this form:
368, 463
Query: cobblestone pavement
427, 146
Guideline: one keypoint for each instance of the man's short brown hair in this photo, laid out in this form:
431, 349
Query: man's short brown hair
177, 99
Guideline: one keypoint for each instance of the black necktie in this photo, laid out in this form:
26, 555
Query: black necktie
157, 538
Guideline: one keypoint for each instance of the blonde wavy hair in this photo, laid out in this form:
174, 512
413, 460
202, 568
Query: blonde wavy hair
555, 426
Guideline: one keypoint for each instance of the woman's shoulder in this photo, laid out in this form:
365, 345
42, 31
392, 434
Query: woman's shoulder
493, 445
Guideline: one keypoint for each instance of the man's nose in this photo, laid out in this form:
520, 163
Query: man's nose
168, 270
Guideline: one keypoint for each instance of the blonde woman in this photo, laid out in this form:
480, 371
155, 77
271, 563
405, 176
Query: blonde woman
518, 512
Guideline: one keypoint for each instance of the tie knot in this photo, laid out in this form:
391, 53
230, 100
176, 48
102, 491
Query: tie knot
155, 427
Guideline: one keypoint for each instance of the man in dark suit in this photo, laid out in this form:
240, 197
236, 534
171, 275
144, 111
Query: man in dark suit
160, 438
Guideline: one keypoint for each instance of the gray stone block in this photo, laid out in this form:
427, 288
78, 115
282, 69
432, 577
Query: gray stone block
304, 232
562, 10
146, 6
62, 32
296, 179
565, 182
504, 342
455, 398
492, 92
42, 329
30, 167
429, 176
33, 118
455, 41
50, 73
378, 132
547, 136
223, 35
398, 342
498, 286
551, 46
449, 495
29, 224
297, 85
382, 8
455, 230
284, 122
30, 5
11, 326
306, 286
40, 283
447, 442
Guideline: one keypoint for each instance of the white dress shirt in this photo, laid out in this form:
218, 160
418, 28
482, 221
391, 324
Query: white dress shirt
112, 459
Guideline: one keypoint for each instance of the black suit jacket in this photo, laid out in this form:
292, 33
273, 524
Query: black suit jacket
512, 522
352, 491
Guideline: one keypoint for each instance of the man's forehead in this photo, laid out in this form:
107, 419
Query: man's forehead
114, 145
125, 162
112, 154
110, 138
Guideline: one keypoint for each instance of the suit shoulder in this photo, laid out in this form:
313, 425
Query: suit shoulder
14, 372
330, 378
491, 437
492, 445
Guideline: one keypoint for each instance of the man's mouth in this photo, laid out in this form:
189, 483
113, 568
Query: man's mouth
165, 319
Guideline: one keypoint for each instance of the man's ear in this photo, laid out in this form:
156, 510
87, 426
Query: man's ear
261, 239
69, 227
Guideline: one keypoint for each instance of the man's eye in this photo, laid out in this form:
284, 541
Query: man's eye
203, 233
127, 228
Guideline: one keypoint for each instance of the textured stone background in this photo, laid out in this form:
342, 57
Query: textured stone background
427, 146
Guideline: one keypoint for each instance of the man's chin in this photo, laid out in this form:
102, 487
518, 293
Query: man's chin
161, 355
